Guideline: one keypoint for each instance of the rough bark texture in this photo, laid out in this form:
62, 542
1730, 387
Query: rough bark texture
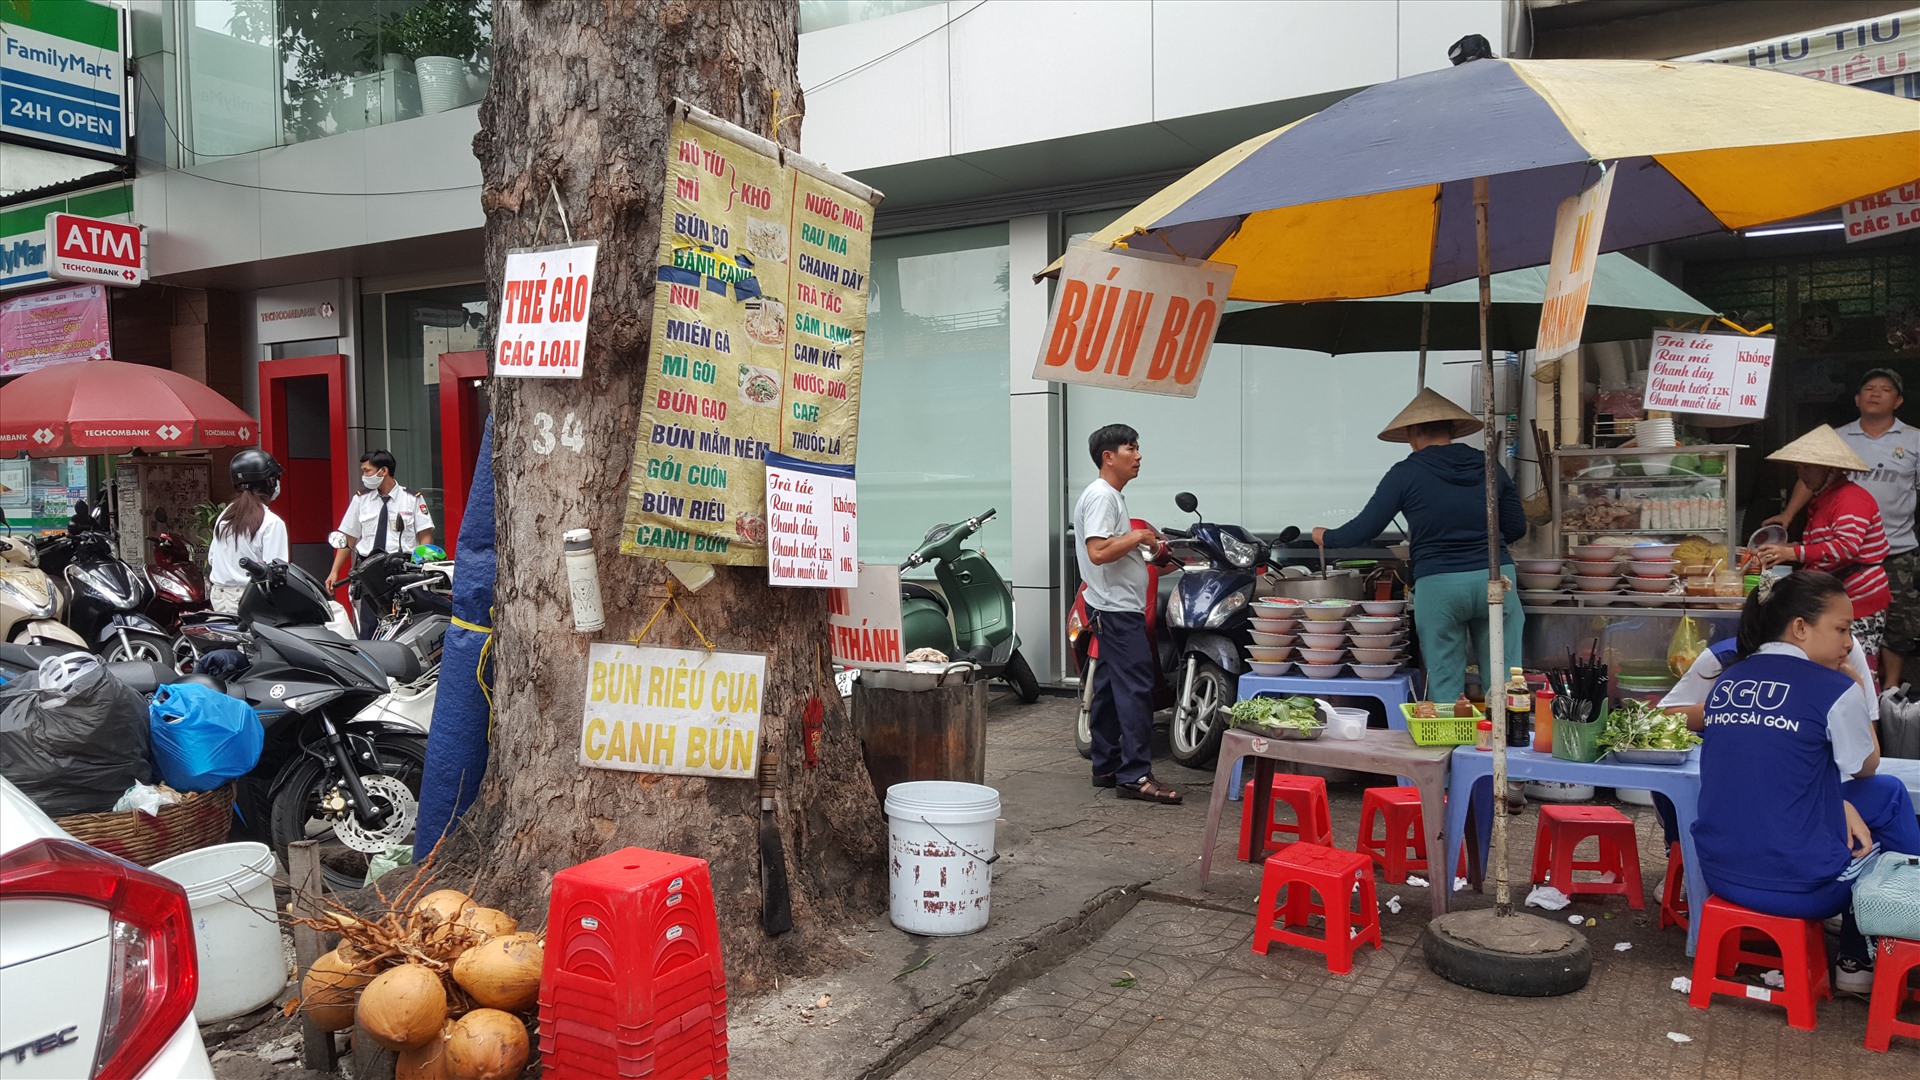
581, 96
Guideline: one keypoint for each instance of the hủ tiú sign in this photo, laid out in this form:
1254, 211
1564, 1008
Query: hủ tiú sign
683, 711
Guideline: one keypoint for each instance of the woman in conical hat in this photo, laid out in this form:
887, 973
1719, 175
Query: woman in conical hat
1441, 488
1843, 534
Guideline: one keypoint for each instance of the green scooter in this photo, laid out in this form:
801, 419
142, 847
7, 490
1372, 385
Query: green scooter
973, 620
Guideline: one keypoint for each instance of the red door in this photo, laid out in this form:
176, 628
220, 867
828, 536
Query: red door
463, 414
303, 424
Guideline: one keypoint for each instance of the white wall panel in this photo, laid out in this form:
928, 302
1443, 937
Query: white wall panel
1210, 55
895, 110
1045, 69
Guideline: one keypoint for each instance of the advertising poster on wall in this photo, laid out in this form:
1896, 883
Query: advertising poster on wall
59, 326
1720, 374
758, 333
685, 711
813, 533
1131, 320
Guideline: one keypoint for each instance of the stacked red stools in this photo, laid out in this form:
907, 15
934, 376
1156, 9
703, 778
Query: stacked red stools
1725, 930
633, 985
1560, 831
1898, 958
1673, 900
1312, 819
1287, 882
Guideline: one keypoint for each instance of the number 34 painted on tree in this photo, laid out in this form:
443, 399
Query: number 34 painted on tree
573, 434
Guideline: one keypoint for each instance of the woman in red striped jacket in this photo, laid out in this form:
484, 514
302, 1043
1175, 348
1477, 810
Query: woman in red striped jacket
1843, 534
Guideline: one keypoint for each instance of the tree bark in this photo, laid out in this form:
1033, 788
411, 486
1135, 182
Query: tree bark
580, 102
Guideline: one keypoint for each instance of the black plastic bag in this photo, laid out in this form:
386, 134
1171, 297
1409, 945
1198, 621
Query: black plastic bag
73, 738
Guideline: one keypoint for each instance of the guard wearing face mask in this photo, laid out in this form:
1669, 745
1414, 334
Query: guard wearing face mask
383, 517
246, 529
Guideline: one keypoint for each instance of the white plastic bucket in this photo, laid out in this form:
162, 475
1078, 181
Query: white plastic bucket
939, 855
235, 932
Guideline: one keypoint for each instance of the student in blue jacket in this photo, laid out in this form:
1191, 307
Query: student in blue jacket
1788, 795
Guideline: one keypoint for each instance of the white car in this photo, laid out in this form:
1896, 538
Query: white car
98, 973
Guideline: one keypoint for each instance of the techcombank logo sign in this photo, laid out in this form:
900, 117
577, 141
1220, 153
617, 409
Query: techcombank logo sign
305, 312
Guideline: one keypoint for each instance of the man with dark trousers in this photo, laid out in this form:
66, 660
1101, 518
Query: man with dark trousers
1113, 565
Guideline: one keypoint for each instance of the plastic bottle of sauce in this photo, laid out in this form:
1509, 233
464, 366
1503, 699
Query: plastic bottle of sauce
1519, 709
1483, 736
1543, 721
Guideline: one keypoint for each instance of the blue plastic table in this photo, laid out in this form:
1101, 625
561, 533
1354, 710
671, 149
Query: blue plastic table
1391, 692
1473, 769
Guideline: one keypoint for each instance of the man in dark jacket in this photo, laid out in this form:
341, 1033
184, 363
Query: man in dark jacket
1441, 488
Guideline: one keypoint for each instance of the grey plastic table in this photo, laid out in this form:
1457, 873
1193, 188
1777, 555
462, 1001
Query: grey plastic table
1389, 753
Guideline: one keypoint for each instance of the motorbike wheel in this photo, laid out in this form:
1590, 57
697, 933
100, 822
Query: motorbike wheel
298, 813
1083, 721
1199, 718
138, 646
185, 656
1019, 675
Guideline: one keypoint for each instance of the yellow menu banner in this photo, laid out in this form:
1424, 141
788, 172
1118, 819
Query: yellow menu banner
759, 329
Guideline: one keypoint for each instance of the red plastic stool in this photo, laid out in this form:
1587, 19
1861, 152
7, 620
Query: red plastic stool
1725, 928
1286, 882
1673, 901
1560, 831
1898, 958
1405, 831
1308, 797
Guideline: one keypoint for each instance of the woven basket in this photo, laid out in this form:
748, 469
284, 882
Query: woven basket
198, 820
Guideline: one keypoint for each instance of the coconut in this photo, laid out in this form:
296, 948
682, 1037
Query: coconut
328, 990
488, 922
427, 1062
403, 1007
503, 973
442, 906
486, 1044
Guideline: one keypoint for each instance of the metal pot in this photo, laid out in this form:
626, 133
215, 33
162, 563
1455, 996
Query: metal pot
1337, 585
920, 675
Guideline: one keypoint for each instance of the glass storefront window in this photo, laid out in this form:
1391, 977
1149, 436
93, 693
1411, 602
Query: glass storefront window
935, 427
270, 72
400, 382
38, 494
823, 14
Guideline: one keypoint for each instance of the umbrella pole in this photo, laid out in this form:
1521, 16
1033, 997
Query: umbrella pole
1494, 677
1426, 324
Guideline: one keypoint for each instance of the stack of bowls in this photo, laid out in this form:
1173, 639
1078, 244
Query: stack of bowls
1276, 625
1652, 579
1378, 639
1655, 435
1596, 570
1542, 581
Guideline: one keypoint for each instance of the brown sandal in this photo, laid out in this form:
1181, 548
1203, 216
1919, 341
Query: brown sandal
1147, 789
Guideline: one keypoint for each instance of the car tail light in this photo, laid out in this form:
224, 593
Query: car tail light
155, 976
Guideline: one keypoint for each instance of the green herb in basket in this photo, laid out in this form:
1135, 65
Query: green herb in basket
1636, 725
1269, 713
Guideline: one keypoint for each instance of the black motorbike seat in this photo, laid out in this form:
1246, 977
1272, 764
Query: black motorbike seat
395, 661
142, 678
910, 590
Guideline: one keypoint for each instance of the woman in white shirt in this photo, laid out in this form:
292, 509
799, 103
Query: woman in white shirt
246, 529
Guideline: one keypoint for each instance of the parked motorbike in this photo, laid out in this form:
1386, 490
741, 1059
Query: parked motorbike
282, 595
971, 618
107, 596
31, 603
400, 590
179, 585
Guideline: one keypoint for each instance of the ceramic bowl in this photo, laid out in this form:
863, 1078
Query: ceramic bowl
1260, 668
1276, 626
1380, 656
1594, 552
1375, 624
1582, 568
1383, 607
1270, 654
1323, 641
1540, 566
1328, 610
1652, 551
1540, 581
1277, 641
1597, 584
1320, 671
1375, 671
1322, 656
1652, 567
1375, 641
1289, 603
1323, 626
1650, 584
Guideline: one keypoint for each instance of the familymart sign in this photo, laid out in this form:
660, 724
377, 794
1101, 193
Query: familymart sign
63, 75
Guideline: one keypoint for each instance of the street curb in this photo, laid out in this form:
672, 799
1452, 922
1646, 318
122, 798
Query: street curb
1032, 956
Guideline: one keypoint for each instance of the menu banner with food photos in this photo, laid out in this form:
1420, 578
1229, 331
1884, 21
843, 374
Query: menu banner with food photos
759, 326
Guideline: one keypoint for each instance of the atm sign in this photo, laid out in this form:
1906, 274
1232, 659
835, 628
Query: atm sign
89, 249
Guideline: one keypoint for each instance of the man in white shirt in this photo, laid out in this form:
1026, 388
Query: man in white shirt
383, 517
1891, 450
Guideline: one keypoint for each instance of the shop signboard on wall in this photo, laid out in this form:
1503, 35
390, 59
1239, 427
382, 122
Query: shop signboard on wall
1576, 248
685, 711
1845, 53
1891, 211
1719, 374
759, 329
90, 249
58, 326
864, 618
25, 246
544, 299
1132, 320
309, 311
813, 536
63, 75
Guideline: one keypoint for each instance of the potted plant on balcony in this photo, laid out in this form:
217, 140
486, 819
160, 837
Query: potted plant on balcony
447, 39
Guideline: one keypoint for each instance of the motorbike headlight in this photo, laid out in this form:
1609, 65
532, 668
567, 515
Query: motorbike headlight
173, 589
1176, 609
24, 600
1239, 552
1225, 609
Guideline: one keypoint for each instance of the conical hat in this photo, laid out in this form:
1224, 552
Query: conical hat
1427, 406
1821, 446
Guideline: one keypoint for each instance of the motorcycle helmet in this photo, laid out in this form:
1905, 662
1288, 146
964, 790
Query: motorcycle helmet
253, 468
427, 553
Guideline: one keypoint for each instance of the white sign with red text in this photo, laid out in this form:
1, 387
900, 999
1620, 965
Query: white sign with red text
1891, 211
89, 249
1133, 320
813, 534
1721, 374
864, 619
544, 302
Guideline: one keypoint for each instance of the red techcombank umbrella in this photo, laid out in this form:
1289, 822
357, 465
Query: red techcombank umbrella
109, 407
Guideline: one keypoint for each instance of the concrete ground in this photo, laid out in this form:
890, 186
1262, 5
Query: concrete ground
1106, 958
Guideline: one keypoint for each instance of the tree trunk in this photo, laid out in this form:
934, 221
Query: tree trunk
581, 99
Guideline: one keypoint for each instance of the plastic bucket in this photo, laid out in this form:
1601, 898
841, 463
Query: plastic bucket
235, 932
939, 856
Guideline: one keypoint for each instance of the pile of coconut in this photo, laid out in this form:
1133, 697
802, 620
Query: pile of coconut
438, 979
